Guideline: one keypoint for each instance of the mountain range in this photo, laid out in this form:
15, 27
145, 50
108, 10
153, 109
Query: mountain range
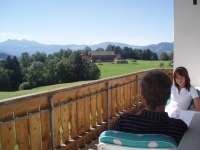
17, 47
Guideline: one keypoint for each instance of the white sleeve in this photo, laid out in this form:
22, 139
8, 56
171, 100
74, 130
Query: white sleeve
193, 92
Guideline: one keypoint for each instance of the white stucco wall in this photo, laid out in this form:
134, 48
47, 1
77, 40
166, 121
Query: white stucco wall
187, 38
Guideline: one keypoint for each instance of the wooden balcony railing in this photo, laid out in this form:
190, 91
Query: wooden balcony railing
68, 118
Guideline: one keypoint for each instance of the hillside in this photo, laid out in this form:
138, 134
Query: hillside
3, 55
17, 47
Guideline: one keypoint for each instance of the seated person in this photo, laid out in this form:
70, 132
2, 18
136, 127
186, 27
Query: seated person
182, 92
156, 89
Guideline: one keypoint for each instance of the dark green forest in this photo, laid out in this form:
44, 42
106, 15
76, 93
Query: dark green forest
64, 66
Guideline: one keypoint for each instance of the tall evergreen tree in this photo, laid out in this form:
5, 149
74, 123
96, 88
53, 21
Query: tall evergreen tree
16, 75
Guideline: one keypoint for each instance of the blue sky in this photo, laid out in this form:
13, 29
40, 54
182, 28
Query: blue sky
135, 22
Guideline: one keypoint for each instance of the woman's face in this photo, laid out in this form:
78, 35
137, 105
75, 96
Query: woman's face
180, 80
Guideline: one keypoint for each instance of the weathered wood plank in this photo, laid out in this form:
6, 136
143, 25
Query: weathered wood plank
21, 106
22, 134
110, 104
113, 101
125, 97
81, 120
87, 114
82, 92
73, 146
101, 86
103, 100
45, 130
122, 98
93, 110
45, 125
65, 123
118, 101
34, 129
7, 133
131, 95
99, 107
128, 95
139, 91
73, 120
66, 96
93, 89
57, 125
134, 93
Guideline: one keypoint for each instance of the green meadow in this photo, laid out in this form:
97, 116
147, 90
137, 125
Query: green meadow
113, 69
108, 69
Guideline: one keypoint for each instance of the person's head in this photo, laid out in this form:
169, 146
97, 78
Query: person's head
156, 88
181, 78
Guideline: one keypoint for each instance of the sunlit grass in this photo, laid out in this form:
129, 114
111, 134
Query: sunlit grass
5, 95
111, 69
108, 69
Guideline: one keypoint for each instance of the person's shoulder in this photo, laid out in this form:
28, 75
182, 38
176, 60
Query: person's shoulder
173, 86
192, 88
179, 122
128, 115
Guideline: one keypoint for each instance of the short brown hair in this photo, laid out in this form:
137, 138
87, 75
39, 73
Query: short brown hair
182, 71
156, 88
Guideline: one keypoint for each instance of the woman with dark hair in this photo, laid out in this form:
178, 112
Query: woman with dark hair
182, 92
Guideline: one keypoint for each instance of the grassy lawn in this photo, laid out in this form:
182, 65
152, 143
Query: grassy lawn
5, 95
107, 70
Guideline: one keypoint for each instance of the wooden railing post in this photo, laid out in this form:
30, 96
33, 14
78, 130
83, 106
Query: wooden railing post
52, 121
137, 94
107, 105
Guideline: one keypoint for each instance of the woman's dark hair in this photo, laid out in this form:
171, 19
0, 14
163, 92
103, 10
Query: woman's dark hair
182, 71
156, 88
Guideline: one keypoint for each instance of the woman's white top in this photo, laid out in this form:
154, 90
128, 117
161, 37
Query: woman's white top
183, 99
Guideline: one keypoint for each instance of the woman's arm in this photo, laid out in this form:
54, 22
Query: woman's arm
197, 104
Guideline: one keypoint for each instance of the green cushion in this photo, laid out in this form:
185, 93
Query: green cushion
137, 140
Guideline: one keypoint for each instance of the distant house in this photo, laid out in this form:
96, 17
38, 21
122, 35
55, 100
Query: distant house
102, 55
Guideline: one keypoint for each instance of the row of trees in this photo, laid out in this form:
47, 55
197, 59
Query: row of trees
125, 52
60, 67
130, 53
40, 70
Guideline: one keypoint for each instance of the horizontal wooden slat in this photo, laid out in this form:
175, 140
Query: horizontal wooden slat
22, 106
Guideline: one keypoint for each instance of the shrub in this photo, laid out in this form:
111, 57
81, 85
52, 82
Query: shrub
25, 86
121, 61
161, 64
98, 61
92, 72
133, 60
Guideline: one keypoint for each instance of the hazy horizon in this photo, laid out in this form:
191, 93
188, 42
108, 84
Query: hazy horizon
85, 44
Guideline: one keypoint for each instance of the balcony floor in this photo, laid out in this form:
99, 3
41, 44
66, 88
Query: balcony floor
91, 146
